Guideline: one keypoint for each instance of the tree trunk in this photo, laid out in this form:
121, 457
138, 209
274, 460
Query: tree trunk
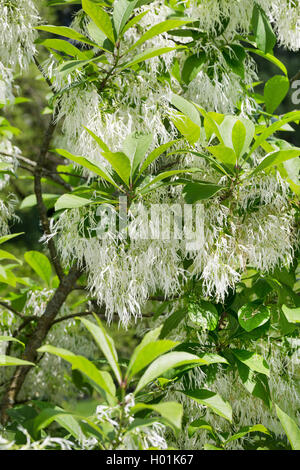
37, 338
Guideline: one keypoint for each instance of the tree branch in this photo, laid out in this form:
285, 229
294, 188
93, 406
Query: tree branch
37, 338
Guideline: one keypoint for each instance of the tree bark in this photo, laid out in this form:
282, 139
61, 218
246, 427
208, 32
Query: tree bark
30, 354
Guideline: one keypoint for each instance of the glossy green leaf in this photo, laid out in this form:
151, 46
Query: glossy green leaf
71, 201
148, 54
275, 91
120, 163
166, 362
252, 316
264, 35
61, 45
212, 400
247, 430
277, 157
135, 147
40, 264
122, 12
13, 361
157, 152
11, 338
106, 344
224, 154
252, 360
194, 192
100, 18
160, 28
100, 378
290, 427
169, 410
6, 238
68, 33
88, 164
192, 66
292, 314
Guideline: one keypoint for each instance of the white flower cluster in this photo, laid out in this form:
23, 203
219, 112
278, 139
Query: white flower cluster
256, 229
286, 17
247, 409
17, 33
143, 437
121, 276
261, 236
6, 213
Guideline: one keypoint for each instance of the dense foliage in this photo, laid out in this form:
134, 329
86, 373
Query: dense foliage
168, 203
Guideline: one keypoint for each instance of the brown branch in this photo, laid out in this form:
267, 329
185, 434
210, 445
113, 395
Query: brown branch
12, 310
37, 338
39, 197
295, 77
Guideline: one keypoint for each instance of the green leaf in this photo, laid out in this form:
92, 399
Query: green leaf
154, 155
106, 344
292, 314
7, 255
48, 199
192, 67
11, 338
122, 12
150, 337
224, 154
256, 384
187, 108
169, 410
95, 168
99, 141
238, 137
6, 238
277, 157
120, 163
212, 400
168, 174
61, 45
13, 361
203, 314
211, 447
135, 147
290, 427
194, 192
160, 28
148, 353
186, 127
164, 363
252, 360
234, 55
275, 91
271, 58
134, 21
68, 33
100, 18
293, 116
71, 65
252, 316
246, 430
172, 322
148, 54
62, 417
71, 201
100, 378
40, 264
194, 426
264, 35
